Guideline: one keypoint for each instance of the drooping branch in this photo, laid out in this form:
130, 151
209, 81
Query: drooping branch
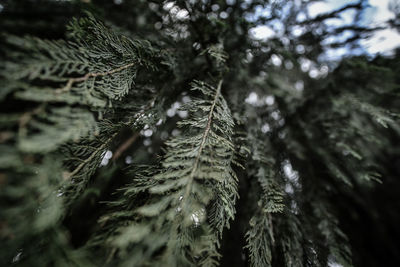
202, 144
71, 81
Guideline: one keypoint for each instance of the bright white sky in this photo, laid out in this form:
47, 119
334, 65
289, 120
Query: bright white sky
382, 42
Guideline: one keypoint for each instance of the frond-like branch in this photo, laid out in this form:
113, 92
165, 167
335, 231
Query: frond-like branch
195, 190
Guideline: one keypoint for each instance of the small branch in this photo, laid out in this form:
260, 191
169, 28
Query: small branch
80, 166
332, 14
121, 149
270, 229
105, 144
111, 255
202, 144
71, 81
5, 136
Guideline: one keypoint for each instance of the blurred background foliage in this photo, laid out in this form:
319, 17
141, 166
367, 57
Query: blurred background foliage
317, 112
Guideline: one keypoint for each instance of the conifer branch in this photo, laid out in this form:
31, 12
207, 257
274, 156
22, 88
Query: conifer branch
91, 157
197, 166
71, 81
120, 150
74, 99
203, 141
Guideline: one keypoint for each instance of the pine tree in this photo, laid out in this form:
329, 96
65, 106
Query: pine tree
164, 133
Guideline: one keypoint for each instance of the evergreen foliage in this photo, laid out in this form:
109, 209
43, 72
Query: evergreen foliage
194, 176
168, 135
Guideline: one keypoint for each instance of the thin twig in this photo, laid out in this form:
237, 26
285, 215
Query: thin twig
80, 166
105, 144
110, 256
5, 136
270, 228
121, 149
71, 81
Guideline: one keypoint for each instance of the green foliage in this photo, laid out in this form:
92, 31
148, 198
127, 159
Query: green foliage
191, 197
195, 144
260, 235
104, 65
62, 131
